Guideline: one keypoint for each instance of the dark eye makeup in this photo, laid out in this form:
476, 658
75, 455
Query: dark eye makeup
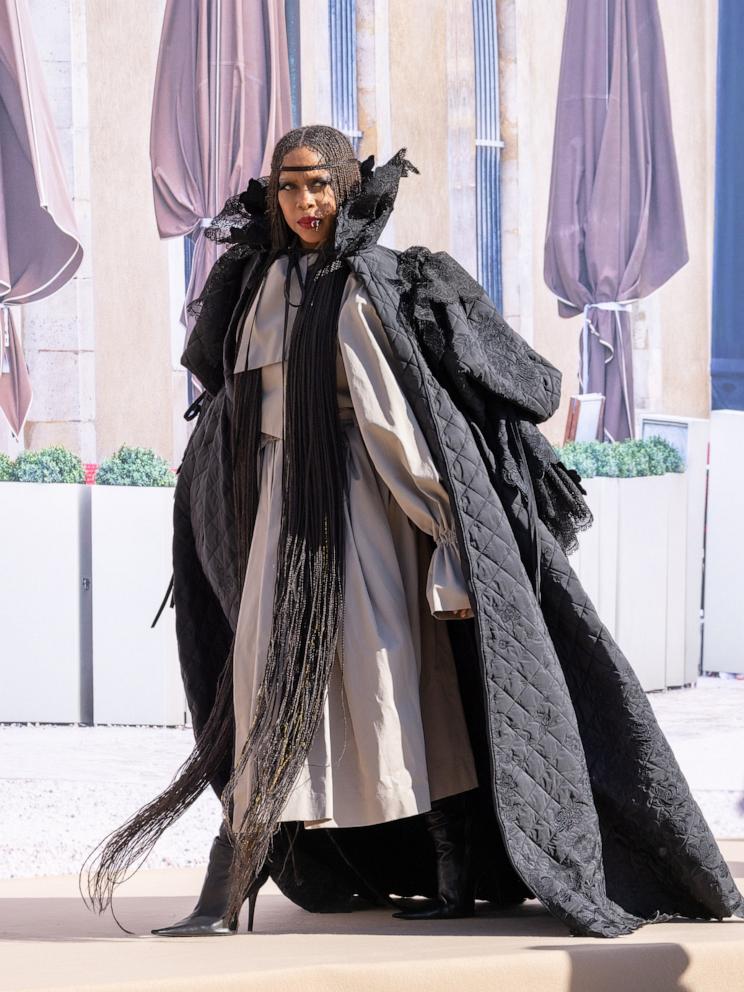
318, 181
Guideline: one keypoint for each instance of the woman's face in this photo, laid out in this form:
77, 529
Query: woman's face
306, 199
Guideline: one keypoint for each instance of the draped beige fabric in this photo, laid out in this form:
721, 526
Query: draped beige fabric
393, 735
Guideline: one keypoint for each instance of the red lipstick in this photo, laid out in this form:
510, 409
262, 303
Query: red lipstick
310, 223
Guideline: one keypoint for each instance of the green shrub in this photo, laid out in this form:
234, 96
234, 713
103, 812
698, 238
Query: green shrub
7, 473
134, 467
53, 464
633, 460
666, 454
579, 456
624, 459
606, 460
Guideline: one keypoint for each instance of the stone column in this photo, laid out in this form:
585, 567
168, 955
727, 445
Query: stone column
373, 88
515, 86
419, 120
315, 62
460, 54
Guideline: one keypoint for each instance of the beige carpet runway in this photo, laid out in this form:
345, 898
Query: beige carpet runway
49, 940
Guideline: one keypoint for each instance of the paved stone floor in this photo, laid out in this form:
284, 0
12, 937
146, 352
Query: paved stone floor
63, 788
705, 726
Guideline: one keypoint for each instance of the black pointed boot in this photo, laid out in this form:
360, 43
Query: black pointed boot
449, 823
207, 919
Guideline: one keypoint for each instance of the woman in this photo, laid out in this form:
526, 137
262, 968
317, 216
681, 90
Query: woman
367, 713
370, 420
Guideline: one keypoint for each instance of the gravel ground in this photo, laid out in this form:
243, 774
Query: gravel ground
64, 788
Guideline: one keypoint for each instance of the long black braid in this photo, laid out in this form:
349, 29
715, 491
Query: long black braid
308, 594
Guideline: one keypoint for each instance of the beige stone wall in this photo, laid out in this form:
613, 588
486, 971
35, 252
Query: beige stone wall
416, 89
531, 44
129, 262
685, 301
415, 82
419, 119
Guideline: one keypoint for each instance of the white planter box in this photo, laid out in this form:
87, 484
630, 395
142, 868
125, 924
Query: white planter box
690, 435
596, 560
632, 565
136, 675
45, 596
723, 633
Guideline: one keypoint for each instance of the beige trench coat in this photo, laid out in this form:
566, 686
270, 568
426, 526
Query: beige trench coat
392, 736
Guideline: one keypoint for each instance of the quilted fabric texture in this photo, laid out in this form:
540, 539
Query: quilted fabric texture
582, 802
597, 816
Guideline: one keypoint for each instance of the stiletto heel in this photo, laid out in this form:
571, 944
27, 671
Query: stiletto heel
208, 916
252, 894
252, 908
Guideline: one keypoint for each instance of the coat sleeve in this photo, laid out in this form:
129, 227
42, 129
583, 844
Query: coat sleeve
397, 447
473, 338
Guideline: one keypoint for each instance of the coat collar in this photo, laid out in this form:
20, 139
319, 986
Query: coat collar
360, 221
442, 307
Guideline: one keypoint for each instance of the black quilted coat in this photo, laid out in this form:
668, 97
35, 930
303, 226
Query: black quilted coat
581, 801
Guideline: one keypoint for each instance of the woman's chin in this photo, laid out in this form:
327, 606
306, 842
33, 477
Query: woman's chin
310, 238
310, 241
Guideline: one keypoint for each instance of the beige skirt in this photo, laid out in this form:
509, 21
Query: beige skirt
392, 736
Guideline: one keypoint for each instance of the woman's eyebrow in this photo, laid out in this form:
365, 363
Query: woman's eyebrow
285, 177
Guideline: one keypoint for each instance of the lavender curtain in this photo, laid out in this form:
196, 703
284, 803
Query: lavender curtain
39, 245
615, 230
221, 101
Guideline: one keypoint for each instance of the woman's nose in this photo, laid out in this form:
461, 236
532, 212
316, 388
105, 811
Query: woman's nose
306, 197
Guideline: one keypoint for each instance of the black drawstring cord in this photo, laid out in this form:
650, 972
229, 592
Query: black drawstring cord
194, 408
191, 411
293, 265
162, 605
532, 513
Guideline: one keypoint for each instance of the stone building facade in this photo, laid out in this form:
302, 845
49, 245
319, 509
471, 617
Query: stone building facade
103, 353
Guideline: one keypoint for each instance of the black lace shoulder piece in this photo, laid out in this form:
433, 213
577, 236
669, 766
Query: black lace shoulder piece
243, 218
361, 219
558, 490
